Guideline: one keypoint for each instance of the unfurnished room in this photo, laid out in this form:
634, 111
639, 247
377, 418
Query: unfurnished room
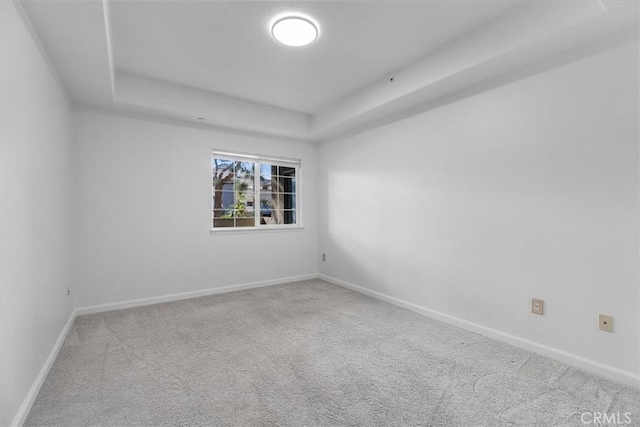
319, 213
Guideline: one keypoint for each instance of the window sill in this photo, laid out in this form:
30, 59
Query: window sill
248, 230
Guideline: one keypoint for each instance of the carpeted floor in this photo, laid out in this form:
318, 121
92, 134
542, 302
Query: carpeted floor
306, 354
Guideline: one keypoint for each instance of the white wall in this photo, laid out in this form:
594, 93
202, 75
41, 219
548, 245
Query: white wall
528, 190
35, 134
144, 213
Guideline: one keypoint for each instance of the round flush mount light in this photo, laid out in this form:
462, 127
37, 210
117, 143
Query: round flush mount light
294, 31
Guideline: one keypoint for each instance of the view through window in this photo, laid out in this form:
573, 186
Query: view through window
254, 191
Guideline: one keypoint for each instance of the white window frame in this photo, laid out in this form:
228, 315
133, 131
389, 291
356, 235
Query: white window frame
257, 160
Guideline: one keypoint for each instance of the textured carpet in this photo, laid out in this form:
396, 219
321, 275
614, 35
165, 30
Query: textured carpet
307, 353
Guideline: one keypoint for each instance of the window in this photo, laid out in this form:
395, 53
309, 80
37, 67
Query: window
254, 191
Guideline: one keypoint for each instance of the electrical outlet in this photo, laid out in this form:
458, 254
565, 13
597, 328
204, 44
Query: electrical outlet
606, 323
68, 290
324, 257
537, 306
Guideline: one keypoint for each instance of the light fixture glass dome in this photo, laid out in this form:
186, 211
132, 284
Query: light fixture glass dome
294, 31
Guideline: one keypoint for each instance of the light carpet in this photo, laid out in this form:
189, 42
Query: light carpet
306, 354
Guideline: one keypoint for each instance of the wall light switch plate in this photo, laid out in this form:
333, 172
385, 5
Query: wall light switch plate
606, 323
537, 306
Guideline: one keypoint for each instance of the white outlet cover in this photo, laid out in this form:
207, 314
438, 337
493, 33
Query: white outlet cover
537, 306
605, 322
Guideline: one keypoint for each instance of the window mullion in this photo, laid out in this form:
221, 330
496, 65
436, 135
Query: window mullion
235, 194
256, 194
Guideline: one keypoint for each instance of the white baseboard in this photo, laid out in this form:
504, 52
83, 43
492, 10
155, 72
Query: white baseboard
598, 368
23, 412
187, 295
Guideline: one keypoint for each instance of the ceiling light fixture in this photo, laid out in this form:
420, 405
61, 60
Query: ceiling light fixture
294, 31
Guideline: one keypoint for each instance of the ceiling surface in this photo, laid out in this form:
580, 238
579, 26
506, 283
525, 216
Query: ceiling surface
217, 60
227, 47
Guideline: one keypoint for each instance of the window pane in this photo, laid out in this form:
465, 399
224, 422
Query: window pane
267, 208
288, 200
268, 219
244, 204
281, 184
276, 184
277, 178
222, 165
266, 204
222, 174
242, 184
244, 167
223, 221
266, 176
265, 185
279, 200
278, 216
267, 197
245, 222
223, 199
267, 170
223, 181
288, 185
244, 175
286, 171
223, 213
289, 217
